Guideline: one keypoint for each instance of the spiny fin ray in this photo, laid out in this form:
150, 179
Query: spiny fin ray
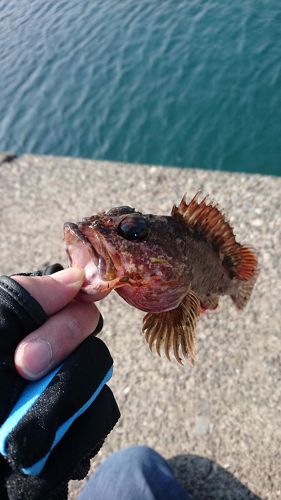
174, 330
208, 222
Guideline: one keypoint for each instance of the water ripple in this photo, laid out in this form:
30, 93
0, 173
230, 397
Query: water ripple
176, 83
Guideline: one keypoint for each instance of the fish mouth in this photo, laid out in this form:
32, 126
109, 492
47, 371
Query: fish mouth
101, 275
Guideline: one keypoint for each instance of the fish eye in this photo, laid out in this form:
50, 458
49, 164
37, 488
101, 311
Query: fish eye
133, 227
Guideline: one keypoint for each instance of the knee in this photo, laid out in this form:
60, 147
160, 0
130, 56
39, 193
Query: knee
141, 454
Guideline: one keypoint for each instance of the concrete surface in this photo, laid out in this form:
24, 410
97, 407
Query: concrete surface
218, 422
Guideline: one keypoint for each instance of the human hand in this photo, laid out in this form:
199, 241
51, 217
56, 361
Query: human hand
69, 322
51, 427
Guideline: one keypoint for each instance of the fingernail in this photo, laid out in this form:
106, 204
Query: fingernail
34, 358
72, 276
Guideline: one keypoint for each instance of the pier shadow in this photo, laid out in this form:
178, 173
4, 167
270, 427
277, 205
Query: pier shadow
204, 479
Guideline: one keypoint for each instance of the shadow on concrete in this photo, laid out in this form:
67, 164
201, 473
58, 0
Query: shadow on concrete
204, 479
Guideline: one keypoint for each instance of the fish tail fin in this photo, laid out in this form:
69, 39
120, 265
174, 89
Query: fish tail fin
243, 292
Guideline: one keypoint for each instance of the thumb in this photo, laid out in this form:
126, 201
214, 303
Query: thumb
55, 291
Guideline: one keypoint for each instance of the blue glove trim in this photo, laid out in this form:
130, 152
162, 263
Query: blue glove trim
27, 398
36, 468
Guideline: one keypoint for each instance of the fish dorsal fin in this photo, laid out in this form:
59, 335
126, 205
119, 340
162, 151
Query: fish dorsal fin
204, 219
175, 329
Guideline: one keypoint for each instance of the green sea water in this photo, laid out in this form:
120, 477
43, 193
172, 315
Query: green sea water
190, 83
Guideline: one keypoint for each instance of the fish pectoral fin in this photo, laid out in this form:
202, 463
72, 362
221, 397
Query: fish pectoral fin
175, 329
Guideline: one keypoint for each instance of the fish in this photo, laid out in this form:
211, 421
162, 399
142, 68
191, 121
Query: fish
172, 267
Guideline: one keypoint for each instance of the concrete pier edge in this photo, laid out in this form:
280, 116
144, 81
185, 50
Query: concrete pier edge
219, 422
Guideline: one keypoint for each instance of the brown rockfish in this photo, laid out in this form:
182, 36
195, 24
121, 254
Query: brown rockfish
172, 267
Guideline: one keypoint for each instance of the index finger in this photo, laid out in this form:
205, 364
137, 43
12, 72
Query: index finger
53, 292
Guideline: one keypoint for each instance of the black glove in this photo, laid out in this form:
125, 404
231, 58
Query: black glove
52, 427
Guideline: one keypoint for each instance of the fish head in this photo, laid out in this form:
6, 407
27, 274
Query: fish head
138, 255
